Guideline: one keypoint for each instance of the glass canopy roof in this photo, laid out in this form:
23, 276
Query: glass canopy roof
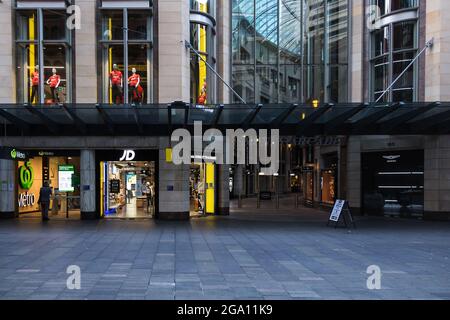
290, 119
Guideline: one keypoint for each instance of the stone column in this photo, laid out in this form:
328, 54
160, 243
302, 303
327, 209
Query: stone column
173, 187
238, 181
85, 55
7, 188
437, 63
223, 197
356, 65
437, 178
174, 57
353, 174
8, 88
87, 185
223, 50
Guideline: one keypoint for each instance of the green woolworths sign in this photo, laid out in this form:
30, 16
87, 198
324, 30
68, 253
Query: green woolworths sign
26, 176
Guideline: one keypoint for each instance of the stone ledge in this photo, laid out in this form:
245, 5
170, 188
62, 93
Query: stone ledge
91, 215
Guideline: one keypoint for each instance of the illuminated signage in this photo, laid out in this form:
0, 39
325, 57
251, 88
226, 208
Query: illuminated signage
26, 200
12, 154
26, 176
392, 159
65, 176
128, 155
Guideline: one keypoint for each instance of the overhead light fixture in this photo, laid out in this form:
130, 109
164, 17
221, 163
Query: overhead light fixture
315, 103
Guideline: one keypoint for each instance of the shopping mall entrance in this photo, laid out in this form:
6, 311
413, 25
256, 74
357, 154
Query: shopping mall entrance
128, 184
202, 189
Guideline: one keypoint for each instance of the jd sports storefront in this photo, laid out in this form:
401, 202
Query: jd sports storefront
128, 183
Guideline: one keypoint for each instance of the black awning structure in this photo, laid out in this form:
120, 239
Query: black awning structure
161, 120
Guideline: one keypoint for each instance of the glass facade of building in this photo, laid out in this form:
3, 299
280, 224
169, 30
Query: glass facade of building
290, 51
393, 46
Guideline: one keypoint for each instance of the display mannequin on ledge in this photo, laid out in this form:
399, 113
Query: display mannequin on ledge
34, 80
54, 81
203, 94
116, 84
135, 90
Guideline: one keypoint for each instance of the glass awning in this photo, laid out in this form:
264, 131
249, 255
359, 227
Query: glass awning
162, 119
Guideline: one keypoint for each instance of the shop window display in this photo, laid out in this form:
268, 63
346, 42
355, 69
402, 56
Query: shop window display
126, 41
328, 186
54, 44
202, 39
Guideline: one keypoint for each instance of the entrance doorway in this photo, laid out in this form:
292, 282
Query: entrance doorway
393, 183
202, 189
128, 189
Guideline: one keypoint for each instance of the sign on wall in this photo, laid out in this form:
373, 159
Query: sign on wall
12, 154
114, 186
65, 176
29, 181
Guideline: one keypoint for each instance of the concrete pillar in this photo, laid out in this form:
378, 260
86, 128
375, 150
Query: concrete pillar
85, 55
353, 174
437, 178
174, 57
7, 188
238, 181
437, 62
8, 88
223, 189
173, 187
356, 64
87, 182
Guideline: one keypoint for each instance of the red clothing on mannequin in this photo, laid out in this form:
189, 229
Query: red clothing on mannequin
54, 80
134, 79
116, 77
35, 78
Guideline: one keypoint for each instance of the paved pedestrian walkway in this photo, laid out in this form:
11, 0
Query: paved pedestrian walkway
243, 256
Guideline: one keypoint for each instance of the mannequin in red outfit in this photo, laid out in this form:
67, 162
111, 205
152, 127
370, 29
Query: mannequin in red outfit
134, 86
34, 80
54, 81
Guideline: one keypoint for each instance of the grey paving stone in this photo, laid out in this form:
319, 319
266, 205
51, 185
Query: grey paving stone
232, 258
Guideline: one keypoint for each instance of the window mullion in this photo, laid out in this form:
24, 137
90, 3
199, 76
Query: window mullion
125, 54
40, 32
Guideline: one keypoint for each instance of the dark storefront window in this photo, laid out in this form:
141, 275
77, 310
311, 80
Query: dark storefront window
393, 183
126, 56
293, 51
47, 78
